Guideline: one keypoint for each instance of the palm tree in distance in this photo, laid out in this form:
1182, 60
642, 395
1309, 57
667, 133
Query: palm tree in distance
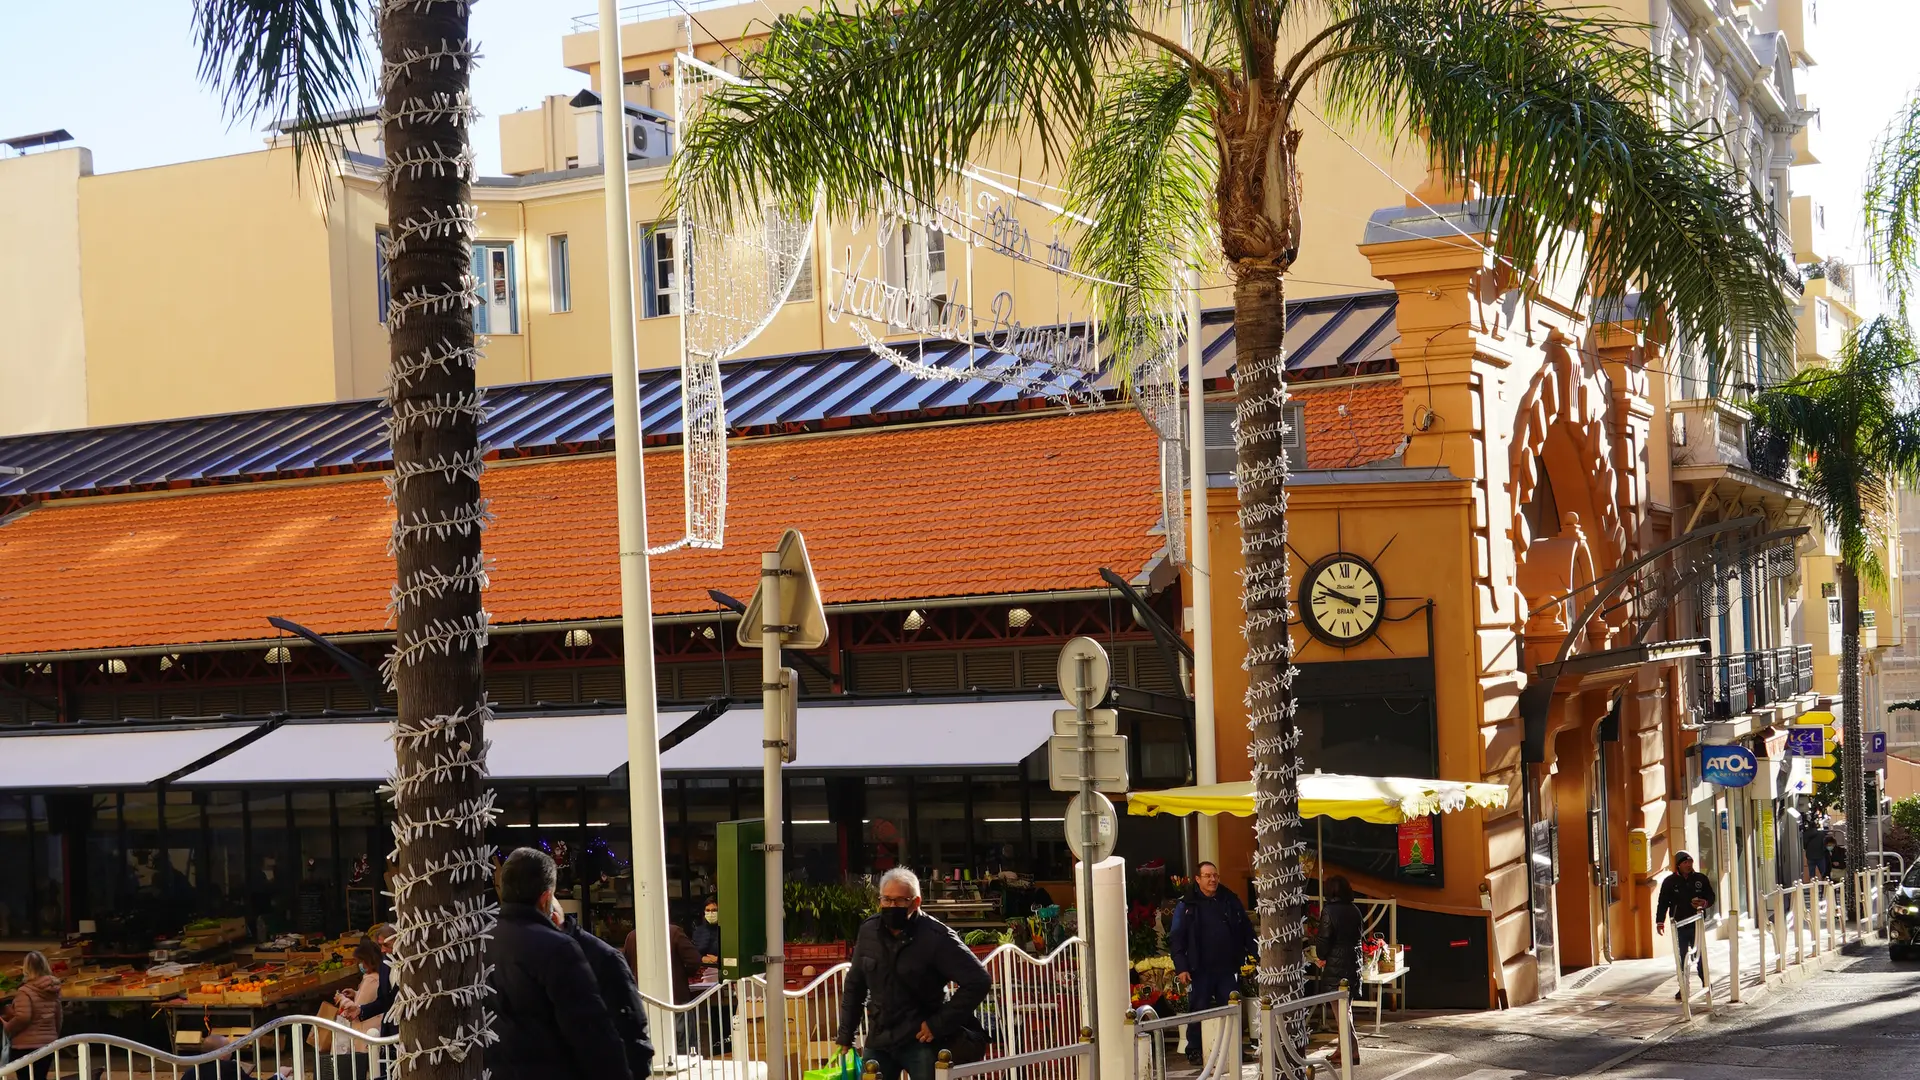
1857, 447
307, 60
1186, 154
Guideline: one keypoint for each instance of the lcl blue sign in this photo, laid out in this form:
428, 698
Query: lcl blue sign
1728, 766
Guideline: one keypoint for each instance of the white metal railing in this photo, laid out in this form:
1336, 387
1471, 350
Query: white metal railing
1282, 1030
1033, 1006
1035, 1001
1147, 1059
285, 1046
647, 12
1032, 1015
1057, 1063
1697, 921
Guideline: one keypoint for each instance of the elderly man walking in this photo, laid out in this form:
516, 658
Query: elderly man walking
903, 961
1210, 940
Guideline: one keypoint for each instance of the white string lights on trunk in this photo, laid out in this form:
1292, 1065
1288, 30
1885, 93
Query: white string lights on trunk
436, 952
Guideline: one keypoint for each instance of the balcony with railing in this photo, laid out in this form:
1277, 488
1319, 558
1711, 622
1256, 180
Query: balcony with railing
1729, 685
1715, 439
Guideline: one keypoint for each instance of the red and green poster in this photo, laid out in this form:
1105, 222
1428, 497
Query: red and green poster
1416, 847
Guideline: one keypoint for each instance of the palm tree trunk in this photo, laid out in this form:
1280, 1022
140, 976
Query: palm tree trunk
1852, 780
443, 877
1259, 323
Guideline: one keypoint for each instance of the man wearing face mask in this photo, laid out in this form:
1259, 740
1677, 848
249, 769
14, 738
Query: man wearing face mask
903, 961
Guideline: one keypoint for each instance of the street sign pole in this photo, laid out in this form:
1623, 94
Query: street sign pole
785, 610
772, 634
1089, 821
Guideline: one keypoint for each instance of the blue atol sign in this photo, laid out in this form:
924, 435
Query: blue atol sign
1728, 766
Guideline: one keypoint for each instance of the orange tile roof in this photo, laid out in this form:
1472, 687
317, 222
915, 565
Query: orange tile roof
1010, 506
1370, 429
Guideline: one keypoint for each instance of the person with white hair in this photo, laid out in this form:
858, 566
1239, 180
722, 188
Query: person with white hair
903, 961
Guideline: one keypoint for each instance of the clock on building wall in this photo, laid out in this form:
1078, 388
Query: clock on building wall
1341, 599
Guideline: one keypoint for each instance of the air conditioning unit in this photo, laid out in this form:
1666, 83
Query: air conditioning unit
649, 134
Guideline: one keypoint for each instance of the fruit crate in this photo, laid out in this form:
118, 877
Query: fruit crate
817, 953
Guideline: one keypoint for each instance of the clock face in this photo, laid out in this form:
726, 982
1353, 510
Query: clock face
1341, 599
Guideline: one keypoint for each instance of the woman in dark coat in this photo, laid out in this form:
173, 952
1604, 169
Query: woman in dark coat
1341, 928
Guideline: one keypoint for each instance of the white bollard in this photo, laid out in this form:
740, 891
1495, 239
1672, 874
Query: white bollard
1109, 909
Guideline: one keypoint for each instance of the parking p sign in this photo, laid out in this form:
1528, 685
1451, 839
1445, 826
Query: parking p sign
1728, 766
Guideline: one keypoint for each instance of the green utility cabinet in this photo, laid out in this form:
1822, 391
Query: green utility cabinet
743, 898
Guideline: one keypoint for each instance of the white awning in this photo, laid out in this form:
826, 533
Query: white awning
564, 747
880, 736
90, 757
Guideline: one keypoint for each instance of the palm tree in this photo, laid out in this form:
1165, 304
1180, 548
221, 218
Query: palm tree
1890, 207
1857, 446
307, 59
1185, 154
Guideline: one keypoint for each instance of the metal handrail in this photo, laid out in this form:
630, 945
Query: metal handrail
83, 1042
1014, 1061
1147, 1019
1274, 1043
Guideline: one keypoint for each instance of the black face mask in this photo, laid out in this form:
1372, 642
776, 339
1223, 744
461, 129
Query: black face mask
895, 918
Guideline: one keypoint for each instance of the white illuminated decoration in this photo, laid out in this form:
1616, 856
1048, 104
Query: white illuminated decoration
738, 272
735, 276
1156, 390
435, 943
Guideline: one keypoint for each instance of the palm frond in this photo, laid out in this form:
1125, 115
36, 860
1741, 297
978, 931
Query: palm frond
878, 98
1890, 209
1554, 110
300, 62
1143, 173
1857, 443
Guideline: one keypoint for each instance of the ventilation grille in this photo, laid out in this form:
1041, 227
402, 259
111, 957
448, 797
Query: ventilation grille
989, 671
934, 673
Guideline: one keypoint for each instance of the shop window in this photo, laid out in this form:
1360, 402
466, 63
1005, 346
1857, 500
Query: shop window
17, 902
499, 309
884, 828
1384, 735
942, 833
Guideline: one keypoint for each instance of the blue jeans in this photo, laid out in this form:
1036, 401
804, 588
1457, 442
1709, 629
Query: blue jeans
913, 1058
1207, 991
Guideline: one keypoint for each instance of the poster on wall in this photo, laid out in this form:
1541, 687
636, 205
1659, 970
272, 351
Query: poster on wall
1416, 847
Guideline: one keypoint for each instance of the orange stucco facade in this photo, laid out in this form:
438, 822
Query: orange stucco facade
1525, 471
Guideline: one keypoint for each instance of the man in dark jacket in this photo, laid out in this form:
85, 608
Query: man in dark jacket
549, 1015
617, 986
903, 960
1211, 938
1682, 895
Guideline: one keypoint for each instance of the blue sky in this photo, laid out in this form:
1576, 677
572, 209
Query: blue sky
119, 74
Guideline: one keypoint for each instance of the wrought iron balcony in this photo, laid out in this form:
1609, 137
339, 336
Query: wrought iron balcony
1767, 452
1729, 685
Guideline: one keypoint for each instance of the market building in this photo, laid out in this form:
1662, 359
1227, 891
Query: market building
1489, 451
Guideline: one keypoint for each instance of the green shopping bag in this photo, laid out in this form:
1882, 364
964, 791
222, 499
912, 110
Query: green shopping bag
845, 1067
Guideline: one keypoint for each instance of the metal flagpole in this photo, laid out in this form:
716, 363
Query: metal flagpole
636, 591
1199, 549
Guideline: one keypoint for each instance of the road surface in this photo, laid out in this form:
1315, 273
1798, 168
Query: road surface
1859, 1021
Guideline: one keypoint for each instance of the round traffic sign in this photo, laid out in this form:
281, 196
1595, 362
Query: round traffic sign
1106, 828
1097, 670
